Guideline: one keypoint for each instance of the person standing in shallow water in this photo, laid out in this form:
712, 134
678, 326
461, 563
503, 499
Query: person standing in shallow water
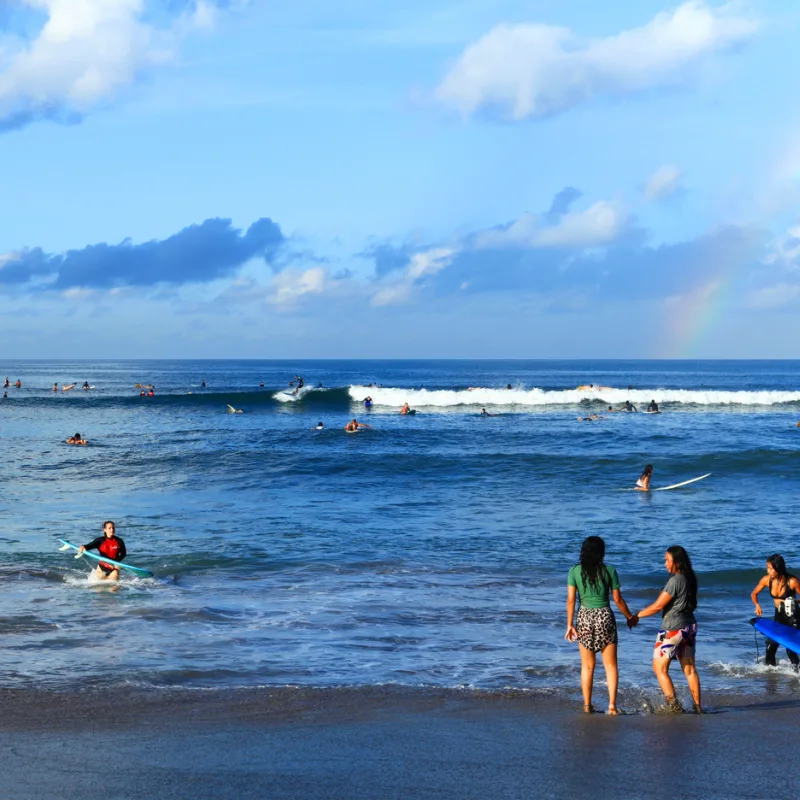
676, 638
596, 631
109, 545
781, 586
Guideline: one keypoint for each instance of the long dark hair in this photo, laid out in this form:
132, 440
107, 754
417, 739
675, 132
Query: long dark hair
593, 570
683, 564
779, 565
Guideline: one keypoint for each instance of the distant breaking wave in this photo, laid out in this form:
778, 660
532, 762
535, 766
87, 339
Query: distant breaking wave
447, 398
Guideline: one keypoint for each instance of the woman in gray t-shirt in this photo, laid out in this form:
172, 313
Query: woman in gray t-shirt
676, 639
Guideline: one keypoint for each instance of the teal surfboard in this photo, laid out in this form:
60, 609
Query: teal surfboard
144, 573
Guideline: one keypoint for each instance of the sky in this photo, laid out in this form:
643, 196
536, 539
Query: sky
377, 179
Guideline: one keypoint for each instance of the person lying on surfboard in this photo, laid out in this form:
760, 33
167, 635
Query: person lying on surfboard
643, 484
354, 425
110, 545
76, 439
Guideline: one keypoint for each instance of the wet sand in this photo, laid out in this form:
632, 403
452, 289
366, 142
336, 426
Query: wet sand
386, 743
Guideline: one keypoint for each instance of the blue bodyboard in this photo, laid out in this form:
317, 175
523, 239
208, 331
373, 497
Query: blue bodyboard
786, 635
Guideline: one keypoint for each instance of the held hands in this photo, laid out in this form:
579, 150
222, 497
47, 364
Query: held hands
633, 622
571, 635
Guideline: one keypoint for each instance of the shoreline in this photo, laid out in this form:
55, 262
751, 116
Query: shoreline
294, 744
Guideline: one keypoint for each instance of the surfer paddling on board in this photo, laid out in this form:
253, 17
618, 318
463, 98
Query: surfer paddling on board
354, 425
406, 409
783, 589
643, 484
109, 545
76, 439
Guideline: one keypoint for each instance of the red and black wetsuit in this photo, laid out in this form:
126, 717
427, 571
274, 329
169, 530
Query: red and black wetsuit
112, 547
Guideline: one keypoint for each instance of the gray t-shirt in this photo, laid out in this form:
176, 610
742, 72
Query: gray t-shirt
678, 612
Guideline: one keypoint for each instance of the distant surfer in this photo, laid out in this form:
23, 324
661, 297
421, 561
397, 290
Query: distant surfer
612, 410
6, 384
66, 388
202, 384
643, 484
319, 426
55, 389
783, 589
628, 406
111, 546
86, 386
676, 638
485, 413
367, 402
406, 409
76, 439
232, 410
653, 408
354, 425
508, 387
18, 384
152, 392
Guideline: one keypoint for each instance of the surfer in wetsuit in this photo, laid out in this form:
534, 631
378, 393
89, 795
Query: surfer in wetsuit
653, 408
782, 586
109, 545
643, 484
628, 406
367, 402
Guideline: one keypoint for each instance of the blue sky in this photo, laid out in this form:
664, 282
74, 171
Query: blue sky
471, 178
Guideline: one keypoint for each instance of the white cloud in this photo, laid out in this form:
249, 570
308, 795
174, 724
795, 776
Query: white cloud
85, 53
532, 70
778, 296
663, 182
422, 264
289, 286
599, 224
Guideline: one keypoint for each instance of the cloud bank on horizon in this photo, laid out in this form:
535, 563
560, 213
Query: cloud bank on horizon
668, 212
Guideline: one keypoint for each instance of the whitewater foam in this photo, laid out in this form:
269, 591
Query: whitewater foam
484, 396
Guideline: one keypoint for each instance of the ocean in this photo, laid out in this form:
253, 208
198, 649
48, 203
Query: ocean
427, 551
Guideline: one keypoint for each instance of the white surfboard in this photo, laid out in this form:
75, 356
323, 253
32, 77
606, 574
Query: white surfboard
684, 483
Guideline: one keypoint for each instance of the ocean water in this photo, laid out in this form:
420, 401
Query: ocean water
429, 550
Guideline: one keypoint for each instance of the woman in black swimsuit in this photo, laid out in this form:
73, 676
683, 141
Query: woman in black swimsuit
781, 586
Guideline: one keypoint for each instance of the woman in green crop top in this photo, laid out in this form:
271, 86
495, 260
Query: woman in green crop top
596, 631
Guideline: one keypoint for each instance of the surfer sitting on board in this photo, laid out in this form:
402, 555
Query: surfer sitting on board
653, 408
628, 406
643, 484
406, 409
354, 425
782, 587
76, 439
109, 545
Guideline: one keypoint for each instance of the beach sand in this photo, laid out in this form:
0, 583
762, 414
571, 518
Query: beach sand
386, 743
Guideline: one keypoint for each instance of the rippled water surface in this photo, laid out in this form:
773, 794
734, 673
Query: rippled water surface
430, 549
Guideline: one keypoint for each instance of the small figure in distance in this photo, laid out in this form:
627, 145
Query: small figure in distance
406, 409
232, 410
152, 392
643, 484
782, 587
55, 387
508, 386
629, 406
612, 410
86, 386
203, 384
67, 387
319, 385
354, 425
367, 402
6, 384
109, 545
143, 393
485, 413
18, 384
653, 408
76, 439
319, 426
300, 384
261, 385
5, 395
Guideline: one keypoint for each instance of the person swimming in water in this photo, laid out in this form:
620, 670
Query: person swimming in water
354, 425
485, 413
76, 439
643, 484
319, 426
628, 406
86, 386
